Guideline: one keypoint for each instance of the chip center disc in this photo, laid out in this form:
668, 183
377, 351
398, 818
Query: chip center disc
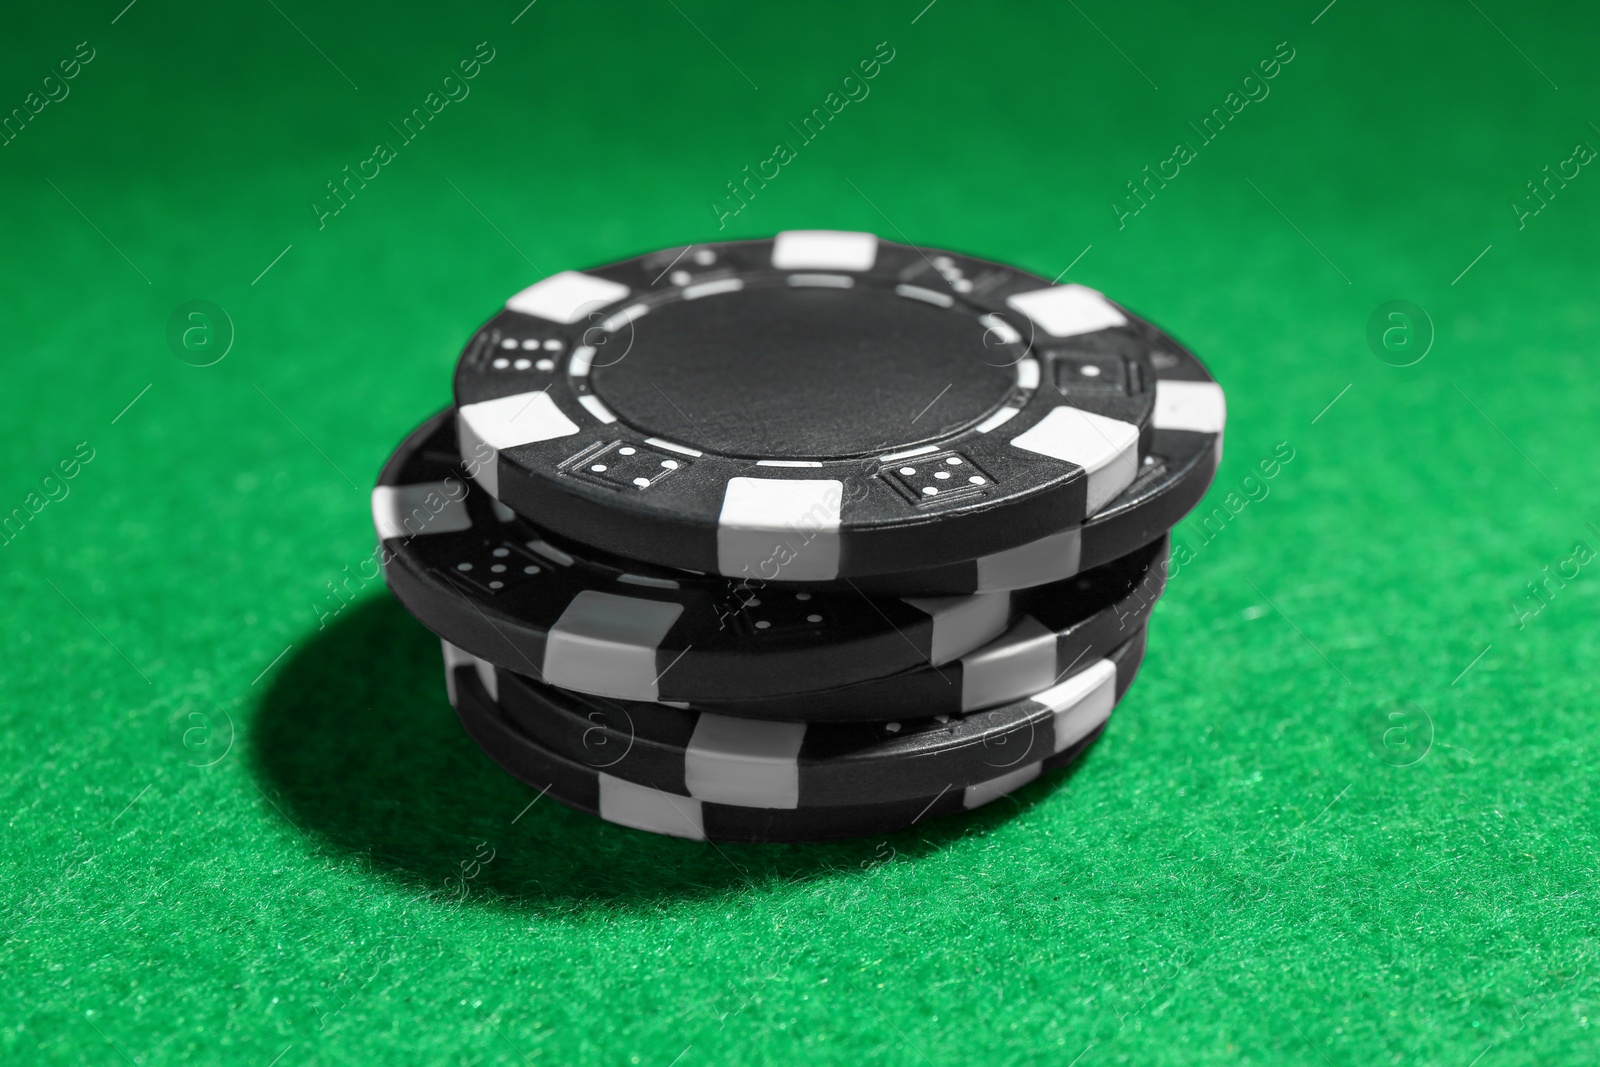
804, 373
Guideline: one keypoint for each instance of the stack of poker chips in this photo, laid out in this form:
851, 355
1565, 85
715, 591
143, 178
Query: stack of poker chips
796, 539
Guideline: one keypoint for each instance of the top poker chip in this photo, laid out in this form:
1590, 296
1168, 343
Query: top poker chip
815, 406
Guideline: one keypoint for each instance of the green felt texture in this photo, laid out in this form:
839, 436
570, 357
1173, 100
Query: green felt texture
1241, 871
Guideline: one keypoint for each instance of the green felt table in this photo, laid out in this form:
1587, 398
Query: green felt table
1347, 813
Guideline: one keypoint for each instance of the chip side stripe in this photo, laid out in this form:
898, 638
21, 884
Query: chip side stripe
999, 418
643, 808
1027, 374
1097, 696
672, 446
772, 527
963, 622
597, 407
441, 510
1068, 310
744, 762
650, 583
624, 317
1004, 330
606, 644
551, 552
821, 281
1197, 406
927, 296
975, 796
1057, 555
1107, 449
566, 297
895, 456
518, 419
1020, 663
835, 249
722, 285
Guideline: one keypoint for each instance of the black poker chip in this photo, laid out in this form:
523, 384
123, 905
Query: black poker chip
501, 587
755, 763
1061, 627
815, 406
641, 807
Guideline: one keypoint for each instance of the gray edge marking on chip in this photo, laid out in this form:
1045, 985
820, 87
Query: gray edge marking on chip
1067, 310
975, 796
488, 676
744, 762
1197, 406
963, 623
643, 808
509, 421
606, 644
1047, 559
824, 249
821, 281
1106, 449
760, 515
1017, 665
453, 657
566, 296
393, 504
1092, 695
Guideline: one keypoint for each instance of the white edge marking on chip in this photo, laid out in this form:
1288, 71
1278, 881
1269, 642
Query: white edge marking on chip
672, 446
596, 407
893, 456
643, 808
927, 296
788, 463
824, 249
976, 796
582, 360
519, 419
721, 285
1082, 702
550, 552
999, 418
962, 623
1068, 310
501, 512
624, 317
647, 582
606, 644
567, 297
433, 506
1198, 406
1046, 560
453, 657
1007, 332
1027, 373
821, 281
488, 674
786, 526
745, 762
1017, 665
1107, 449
